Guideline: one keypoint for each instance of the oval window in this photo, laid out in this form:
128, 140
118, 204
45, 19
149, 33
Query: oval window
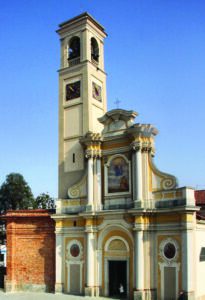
74, 250
169, 251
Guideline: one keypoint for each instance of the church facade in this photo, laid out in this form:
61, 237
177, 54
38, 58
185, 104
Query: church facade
123, 228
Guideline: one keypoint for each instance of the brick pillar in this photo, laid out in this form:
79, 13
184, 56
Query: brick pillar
30, 251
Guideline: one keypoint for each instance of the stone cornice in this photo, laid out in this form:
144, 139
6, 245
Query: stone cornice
118, 114
142, 130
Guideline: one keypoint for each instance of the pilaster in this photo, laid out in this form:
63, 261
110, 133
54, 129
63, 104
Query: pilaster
59, 285
99, 184
188, 269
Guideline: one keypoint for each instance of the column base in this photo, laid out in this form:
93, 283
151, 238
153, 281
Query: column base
59, 288
138, 204
99, 207
145, 295
89, 208
92, 291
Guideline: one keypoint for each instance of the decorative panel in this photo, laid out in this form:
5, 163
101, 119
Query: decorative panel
73, 121
75, 278
169, 283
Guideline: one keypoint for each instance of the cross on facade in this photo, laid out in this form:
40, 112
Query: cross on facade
117, 102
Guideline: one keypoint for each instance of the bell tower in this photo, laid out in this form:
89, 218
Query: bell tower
82, 93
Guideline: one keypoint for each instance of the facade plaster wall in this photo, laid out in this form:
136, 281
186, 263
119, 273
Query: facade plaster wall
200, 265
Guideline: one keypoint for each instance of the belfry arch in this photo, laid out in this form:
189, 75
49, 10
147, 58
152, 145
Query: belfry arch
94, 50
74, 48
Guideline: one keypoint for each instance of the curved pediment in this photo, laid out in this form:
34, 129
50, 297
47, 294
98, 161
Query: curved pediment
117, 120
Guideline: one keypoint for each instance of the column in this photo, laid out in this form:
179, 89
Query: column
139, 260
139, 175
137, 167
90, 267
139, 293
59, 263
99, 185
145, 172
90, 182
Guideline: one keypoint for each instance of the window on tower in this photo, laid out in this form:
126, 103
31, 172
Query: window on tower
94, 50
74, 48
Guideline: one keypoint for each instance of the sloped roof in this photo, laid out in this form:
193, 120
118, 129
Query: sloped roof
200, 197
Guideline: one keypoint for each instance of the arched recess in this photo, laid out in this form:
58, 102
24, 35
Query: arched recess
115, 243
74, 48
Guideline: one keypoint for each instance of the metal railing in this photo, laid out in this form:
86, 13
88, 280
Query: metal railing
73, 62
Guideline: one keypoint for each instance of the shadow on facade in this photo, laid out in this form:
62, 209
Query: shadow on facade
47, 253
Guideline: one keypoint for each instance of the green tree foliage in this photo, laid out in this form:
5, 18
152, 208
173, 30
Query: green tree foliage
44, 201
15, 193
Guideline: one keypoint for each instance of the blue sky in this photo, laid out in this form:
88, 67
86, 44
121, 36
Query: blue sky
155, 60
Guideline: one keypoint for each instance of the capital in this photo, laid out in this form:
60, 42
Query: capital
93, 153
136, 146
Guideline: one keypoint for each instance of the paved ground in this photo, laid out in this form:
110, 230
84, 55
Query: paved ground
43, 296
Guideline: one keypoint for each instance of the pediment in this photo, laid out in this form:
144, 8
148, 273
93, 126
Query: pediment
117, 121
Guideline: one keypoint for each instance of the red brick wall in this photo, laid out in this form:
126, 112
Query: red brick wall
30, 250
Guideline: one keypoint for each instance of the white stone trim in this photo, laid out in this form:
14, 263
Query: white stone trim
99, 185
59, 259
90, 181
161, 250
188, 261
110, 225
71, 258
91, 237
139, 260
138, 175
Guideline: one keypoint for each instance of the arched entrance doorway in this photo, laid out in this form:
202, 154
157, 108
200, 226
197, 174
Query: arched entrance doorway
117, 267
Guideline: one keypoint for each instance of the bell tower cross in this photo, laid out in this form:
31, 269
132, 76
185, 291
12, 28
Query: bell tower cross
82, 93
